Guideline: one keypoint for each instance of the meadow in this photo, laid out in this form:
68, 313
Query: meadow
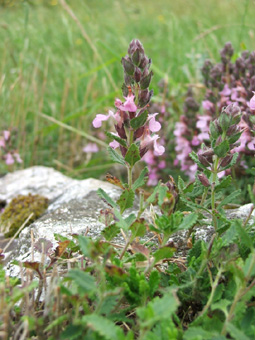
69, 68
62, 89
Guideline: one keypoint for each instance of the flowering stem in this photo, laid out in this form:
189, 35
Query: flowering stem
129, 167
215, 167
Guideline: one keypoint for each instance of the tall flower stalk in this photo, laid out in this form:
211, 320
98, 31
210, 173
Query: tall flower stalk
135, 128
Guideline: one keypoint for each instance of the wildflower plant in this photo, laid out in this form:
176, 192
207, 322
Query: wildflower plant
8, 153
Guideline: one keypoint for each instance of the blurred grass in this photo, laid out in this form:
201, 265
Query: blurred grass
47, 64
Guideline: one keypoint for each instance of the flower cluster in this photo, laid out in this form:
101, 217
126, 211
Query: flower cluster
133, 123
226, 83
8, 154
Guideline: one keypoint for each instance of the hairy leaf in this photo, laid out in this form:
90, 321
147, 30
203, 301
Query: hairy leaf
221, 149
101, 193
132, 155
188, 221
139, 121
163, 253
115, 156
84, 280
118, 139
126, 200
230, 198
141, 180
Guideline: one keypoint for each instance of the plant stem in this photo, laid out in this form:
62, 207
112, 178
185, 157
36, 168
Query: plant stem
215, 167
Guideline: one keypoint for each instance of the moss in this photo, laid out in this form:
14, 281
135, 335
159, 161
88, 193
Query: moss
18, 210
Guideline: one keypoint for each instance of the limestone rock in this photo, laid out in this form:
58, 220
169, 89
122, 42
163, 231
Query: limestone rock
74, 209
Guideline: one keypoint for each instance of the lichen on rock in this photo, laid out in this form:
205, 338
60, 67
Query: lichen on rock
19, 209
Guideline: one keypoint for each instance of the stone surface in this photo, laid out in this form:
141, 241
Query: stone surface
74, 208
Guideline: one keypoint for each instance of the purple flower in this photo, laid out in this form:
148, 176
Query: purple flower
91, 148
147, 140
2, 143
252, 102
154, 126
9, 160
226, 91
114, 144
129, 104
97, 122
207, 105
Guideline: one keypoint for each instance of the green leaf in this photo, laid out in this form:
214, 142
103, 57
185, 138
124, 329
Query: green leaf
234, 138
249, 267
138, 229
230, 198
115, 156
181, 184
224, 183
85, 244
163, 253
72, 332
198, 333
188, 221
194, 157
193, 205
141, 180
221, 149
83, 280
152, 197
139, 121
104, 327
162, 194
244, 236
132, 155
101, 193
236, 333
126, 200
221, 305
118, 139
110, 232
56, 322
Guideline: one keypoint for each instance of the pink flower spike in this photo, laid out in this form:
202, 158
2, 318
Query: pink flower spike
114, 144
90, 148
129, 104
252, 102
207, 105
9, 160
154, 126
6, 134
226, 91
97, 122
18, 159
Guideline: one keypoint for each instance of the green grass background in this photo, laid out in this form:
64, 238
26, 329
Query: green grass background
49, 64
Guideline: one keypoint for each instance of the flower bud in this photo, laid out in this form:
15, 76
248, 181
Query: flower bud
137, 56
225, 121
137, 74
128, 66
145, 82
121, 131
144, 62
226, 160
144, 97
203, 160
204, 180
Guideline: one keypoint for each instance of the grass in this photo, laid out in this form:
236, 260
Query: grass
52, 65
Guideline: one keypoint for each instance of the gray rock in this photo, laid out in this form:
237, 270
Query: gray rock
74, 209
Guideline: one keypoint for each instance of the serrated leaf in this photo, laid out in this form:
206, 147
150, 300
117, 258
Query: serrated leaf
163, 253
115, 156
188, 221
139, 121
101, 193
118, 139
181, 184
130, 219
110, 232
193, 205
132, 155
138, 228
226, 181
244, 236
221, 149
104, 327
126, 200
230, 198
56, 322
162, 194
72, 332
141, 180
83, 280
194, 157
248, 269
